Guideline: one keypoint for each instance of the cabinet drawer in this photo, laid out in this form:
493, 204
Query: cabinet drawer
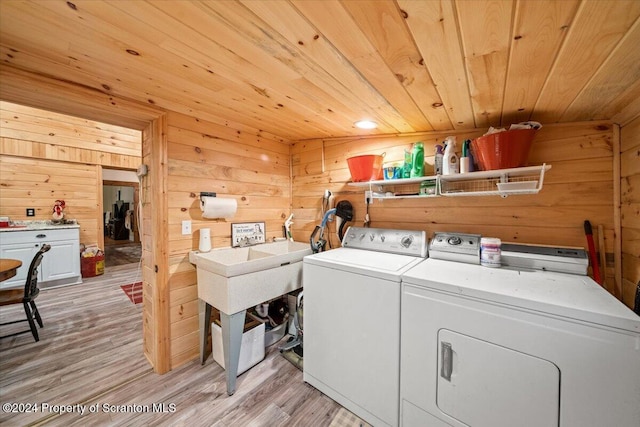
38, 236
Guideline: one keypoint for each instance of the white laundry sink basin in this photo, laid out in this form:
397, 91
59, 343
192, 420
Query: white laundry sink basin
234, 279
286, 251
230, 262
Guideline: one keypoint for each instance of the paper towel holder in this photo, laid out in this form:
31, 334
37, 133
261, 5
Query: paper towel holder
205, 194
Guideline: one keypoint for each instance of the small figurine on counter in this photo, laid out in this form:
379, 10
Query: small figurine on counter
58, 208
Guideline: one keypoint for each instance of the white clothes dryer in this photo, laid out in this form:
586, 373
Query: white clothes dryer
513, 347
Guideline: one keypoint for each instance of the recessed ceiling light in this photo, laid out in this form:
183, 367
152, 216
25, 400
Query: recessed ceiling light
366, 124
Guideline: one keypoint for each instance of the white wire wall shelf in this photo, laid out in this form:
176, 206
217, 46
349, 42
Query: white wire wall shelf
500, 182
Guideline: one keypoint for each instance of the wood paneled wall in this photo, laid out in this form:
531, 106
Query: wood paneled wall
47, 156
36, 183
578, 187
630, 209
208, 157
66, 138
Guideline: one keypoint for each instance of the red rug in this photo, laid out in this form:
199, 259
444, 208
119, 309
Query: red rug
133, 291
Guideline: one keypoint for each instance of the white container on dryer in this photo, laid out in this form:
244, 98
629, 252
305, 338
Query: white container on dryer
503, 347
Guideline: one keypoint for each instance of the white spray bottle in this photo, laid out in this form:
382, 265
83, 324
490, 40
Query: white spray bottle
450, 164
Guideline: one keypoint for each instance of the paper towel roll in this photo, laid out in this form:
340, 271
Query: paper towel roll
216, 207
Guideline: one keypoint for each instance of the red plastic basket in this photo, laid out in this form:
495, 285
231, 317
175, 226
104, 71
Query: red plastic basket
365, 168
503, 150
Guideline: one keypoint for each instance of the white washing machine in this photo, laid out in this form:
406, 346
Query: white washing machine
352, 319
515, 347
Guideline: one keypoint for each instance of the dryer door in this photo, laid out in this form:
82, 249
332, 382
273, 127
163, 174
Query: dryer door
483, 384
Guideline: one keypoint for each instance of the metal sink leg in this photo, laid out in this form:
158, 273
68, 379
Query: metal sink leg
232, 327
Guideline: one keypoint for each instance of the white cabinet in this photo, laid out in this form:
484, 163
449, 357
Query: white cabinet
60, 265
62, 261
20, 251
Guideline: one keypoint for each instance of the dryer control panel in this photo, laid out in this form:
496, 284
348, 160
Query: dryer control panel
402, 242
458, 247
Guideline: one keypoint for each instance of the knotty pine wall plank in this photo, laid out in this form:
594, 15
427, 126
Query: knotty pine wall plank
538, 31
35, 183
485, 32
433, 25
630, 209
151, 325
395, 45
61, 96
30, 124
590, 40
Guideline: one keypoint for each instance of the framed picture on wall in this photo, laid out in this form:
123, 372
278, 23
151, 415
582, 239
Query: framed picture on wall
247, 233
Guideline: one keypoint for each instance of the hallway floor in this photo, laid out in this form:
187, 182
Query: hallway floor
121, 252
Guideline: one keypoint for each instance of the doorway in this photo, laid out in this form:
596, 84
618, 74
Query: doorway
122, 243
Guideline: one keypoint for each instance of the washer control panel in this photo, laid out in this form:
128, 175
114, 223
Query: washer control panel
458, 247
402, 242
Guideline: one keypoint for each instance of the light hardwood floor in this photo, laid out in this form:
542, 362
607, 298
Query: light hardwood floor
90, 353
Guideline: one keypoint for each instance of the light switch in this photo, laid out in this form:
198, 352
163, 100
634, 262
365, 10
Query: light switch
186, 227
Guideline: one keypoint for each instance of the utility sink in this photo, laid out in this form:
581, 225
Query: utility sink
233, 279
230, 262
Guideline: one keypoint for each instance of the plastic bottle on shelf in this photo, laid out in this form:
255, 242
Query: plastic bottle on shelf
417, 160
472, 168
464, 160
406, 167
437, 164
450, 162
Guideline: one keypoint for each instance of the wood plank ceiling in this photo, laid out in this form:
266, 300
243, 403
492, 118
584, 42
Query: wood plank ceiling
306, 69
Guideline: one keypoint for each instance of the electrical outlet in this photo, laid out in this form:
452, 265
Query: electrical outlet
368, 197
31, 212
186, 227
142, 170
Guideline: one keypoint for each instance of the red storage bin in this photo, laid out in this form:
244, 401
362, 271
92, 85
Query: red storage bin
92, 266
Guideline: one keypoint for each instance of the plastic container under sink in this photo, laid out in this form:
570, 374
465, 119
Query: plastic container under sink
251, 348
275, 334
